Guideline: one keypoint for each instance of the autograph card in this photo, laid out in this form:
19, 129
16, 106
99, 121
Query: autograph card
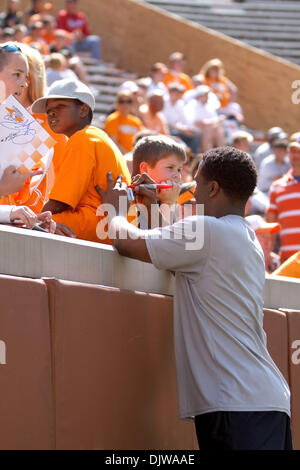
23, 141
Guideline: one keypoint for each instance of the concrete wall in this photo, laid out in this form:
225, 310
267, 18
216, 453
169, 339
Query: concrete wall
36, 255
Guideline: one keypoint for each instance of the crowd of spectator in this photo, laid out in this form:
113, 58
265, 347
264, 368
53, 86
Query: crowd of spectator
199, 112
63, 34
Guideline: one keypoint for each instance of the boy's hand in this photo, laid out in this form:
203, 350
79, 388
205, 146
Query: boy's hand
144, 196
113, 195
169, 196
12, 181
23, 215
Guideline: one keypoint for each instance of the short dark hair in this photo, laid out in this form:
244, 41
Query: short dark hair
233, 169
153, 148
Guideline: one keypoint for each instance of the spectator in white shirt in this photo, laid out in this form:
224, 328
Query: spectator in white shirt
174, 113
265, 149
57, 69
202, 114
157, 73
274, 166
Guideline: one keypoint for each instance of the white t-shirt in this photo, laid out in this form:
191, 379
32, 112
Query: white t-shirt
270, 170
196, 111
174, 113
222, 361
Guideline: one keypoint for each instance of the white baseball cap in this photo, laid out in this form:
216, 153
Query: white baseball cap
201, 90
65, 89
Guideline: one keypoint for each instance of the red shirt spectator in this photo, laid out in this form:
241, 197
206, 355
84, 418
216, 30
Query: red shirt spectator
72, 20
76, 24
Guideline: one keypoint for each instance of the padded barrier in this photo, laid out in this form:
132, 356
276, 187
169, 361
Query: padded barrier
26, 405
115, 383
293, 319
101, 373
276, 328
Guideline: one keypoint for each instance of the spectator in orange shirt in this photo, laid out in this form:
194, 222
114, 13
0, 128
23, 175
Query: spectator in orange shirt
35, 38
122, 126
89, 155
214, 76
49, 29
175, 72
151, 114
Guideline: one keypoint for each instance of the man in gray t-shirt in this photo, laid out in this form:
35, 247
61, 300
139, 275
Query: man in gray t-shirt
227, 381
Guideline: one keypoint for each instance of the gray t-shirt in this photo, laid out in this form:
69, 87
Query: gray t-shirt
220, 346
270, 170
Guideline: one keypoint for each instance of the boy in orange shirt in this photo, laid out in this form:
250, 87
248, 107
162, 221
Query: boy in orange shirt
175, 73
122, 126
89, 155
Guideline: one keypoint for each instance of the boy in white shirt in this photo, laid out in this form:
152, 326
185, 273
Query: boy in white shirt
202, 114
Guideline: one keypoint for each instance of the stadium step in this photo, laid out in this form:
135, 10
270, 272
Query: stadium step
258, 23
104, 80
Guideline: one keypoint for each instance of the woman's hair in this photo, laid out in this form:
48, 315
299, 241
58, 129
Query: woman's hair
5, 55
37, 72
212, 63
233, 169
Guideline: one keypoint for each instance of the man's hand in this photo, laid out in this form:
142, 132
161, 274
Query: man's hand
112, 197
144, 196
12, 181
64, 231
46, 221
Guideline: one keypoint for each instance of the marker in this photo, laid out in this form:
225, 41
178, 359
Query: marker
151, 186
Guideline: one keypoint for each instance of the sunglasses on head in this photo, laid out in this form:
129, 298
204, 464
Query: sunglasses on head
10, 48
125, 101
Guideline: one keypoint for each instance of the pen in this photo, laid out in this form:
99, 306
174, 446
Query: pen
151, 186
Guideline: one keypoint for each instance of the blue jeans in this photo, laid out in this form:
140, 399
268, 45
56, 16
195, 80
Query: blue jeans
90, 43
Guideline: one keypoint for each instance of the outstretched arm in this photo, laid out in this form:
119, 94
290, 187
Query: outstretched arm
126, 238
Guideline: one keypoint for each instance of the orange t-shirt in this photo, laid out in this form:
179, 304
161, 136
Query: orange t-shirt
155, 122
44, 49
90, 155
181, 78
123, 128
221, 89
